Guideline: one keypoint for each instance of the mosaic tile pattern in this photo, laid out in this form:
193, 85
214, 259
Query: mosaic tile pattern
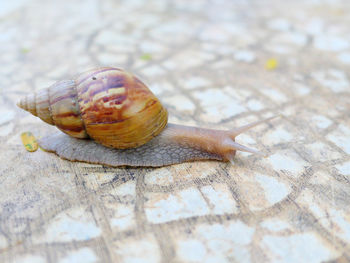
214, 64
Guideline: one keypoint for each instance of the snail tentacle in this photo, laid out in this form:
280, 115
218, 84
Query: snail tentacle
237, 131
234, 146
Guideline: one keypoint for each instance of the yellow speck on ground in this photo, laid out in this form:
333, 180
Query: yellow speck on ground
146, 57
271, 64
25, 50
29, 141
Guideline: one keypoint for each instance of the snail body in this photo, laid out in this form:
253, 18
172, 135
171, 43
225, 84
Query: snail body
125, 122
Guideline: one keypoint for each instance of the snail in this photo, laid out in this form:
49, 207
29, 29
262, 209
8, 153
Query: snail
123, 124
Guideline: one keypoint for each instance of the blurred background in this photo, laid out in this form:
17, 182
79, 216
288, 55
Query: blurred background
217, 64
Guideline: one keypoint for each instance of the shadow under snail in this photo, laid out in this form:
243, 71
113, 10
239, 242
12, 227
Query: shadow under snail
115, 109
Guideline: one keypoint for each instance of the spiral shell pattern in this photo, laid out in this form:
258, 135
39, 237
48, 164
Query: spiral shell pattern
109, 105
57, 105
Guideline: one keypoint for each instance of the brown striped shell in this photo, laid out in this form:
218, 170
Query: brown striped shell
109, 105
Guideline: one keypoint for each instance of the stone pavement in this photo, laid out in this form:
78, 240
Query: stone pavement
213, 64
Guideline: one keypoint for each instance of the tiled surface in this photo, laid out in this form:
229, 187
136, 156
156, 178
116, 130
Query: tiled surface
215, 64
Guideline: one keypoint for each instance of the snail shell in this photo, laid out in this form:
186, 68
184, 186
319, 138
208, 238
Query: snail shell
109, 105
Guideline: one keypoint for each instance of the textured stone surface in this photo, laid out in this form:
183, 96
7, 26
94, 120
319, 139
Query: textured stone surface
212, 63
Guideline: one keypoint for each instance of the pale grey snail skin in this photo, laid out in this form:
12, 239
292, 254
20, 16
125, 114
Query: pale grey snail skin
117, 110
